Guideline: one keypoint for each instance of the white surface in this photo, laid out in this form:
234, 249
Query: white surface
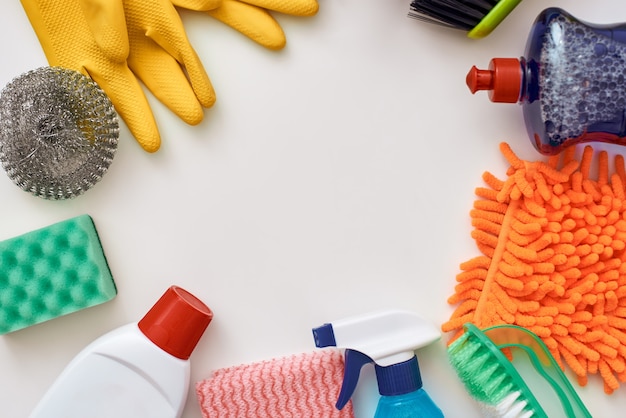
330, 179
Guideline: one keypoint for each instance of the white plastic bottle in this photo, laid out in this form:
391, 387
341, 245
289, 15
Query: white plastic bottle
138, 370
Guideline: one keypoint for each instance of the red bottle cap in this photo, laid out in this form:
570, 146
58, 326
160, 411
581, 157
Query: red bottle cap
176, 322
503, 79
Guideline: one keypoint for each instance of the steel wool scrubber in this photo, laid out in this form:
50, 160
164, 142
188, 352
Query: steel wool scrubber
58, 132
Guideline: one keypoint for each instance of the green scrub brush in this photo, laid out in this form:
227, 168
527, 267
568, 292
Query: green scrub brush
478, 17
492, 379
58, 132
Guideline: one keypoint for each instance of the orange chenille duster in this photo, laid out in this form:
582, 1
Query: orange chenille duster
552, 239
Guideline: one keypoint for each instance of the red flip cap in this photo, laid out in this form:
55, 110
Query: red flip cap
176, 322
503, 80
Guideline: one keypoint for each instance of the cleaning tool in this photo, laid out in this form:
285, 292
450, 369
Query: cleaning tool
119, 42
569, 82
552, 243
389, 340
477, 17
138, 370
299, 385
253, 18
52, 271
494, 381
152, 46
58, 132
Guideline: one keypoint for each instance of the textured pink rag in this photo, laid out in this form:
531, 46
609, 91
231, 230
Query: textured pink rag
301, 385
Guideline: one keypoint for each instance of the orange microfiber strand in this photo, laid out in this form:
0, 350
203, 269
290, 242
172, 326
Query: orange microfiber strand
553, 244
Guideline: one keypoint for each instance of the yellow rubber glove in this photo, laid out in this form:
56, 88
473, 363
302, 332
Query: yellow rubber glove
116, 41
252, 17
108, 26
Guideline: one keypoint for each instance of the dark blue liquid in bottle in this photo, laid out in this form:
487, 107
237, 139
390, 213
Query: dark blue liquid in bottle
571, 82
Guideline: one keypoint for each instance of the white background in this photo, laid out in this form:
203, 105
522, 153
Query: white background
332, 178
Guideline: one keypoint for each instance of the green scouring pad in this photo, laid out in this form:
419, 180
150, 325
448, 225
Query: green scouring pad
52, 271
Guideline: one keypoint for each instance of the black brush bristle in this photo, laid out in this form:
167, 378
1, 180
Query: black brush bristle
459, 14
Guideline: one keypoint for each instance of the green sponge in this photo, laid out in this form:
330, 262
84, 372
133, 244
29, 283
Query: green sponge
52, 271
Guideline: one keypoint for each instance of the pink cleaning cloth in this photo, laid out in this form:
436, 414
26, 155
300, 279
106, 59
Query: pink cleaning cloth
297, 386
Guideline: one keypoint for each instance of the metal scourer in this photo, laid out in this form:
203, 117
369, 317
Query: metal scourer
58, 132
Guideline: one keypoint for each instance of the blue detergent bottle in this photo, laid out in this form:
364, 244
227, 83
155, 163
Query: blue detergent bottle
389, 340
571, 82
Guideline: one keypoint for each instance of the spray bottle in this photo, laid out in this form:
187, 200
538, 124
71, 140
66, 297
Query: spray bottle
389, 340
570, 82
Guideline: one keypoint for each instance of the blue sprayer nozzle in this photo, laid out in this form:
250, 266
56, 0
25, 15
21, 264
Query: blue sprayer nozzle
389, 340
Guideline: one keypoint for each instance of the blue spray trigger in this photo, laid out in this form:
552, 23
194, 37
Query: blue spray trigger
354, 362
389, 340
324, 336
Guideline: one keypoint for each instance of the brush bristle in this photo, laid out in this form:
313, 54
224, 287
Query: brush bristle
459, 14
486, 380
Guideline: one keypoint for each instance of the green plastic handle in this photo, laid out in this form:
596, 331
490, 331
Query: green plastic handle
493, 18
512, 336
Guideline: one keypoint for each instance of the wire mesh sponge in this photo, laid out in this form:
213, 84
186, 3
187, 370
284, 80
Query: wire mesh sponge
58, 132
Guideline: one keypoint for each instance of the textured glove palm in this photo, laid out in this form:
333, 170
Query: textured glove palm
116, 41
252, 17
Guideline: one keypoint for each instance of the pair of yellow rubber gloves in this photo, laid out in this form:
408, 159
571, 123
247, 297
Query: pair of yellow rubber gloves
121, 42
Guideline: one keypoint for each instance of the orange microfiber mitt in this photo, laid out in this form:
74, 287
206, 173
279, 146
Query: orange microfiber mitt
553, 244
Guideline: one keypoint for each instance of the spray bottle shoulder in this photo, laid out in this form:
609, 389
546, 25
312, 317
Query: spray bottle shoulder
389, 340
412, 405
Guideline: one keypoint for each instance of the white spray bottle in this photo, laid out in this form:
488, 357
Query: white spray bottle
389, 340
138, 370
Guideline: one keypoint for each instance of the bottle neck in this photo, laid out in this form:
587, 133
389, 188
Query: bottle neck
529, 88
399, 379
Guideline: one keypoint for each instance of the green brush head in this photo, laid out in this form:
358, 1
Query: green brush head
478, 17
489, 376
51, 272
